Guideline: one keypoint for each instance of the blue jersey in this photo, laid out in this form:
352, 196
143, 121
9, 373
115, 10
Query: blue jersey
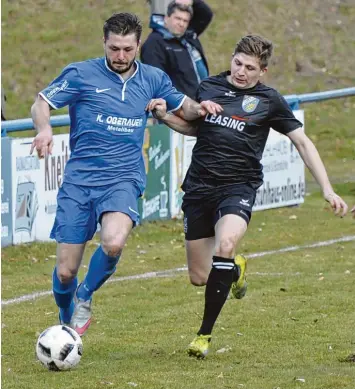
108, 119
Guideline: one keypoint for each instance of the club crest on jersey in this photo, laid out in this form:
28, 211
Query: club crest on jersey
249, 103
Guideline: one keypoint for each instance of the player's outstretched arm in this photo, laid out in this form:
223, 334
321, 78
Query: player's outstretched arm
43, 142
158, 108
311, 158
191, 110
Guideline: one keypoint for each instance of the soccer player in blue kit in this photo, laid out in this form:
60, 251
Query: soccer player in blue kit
225, 172
108, 102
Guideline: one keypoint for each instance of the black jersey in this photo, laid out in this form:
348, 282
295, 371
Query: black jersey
230, 145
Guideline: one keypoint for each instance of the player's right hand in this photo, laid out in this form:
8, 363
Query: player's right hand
337, 203
158, 108
210, 107
43, 143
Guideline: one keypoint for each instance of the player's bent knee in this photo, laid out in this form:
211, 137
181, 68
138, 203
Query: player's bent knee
198, 279
113, 248
65, 275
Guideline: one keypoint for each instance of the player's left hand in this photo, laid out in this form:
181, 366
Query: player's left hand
337, 203
157, 107
353, 211
209, 106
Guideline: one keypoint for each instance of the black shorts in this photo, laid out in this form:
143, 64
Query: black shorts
201, 215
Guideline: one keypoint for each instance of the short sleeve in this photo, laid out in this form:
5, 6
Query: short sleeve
281, 117
200, 93
63, 90
166, 91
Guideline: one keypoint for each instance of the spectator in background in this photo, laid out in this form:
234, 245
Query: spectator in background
3, 118
175, 48
3, 100
157, 12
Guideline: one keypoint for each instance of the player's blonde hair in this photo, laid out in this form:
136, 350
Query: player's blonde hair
256, 46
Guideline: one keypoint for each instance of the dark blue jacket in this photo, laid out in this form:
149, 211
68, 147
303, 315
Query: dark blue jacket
163, 50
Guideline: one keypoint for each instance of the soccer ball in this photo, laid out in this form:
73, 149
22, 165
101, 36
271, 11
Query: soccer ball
59, 348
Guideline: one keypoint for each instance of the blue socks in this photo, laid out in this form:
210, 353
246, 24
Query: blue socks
101, 267
63, 295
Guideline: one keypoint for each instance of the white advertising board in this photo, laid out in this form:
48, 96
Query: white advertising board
35, 185
284, 178
181, 150
176, 173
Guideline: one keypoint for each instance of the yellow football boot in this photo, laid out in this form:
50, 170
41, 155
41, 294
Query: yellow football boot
199, 346
239, 287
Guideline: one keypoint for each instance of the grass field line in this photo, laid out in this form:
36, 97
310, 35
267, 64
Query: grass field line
170, 272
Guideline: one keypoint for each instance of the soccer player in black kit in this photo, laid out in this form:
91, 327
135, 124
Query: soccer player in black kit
225, 172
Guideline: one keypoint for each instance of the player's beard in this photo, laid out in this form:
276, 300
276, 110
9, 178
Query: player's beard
121, 70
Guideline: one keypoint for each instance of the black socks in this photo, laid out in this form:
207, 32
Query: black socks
218, 286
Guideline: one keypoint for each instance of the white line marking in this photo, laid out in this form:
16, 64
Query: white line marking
170, 272
257, 273
307, 246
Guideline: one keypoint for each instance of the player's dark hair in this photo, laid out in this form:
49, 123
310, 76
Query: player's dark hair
123, 23
256, 46
173, 6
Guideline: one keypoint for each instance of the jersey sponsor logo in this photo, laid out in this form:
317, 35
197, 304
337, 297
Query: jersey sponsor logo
233, 122
64, 85
119, 124
249, 103
102, 90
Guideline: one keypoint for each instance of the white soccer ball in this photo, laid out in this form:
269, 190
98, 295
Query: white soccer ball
59, 348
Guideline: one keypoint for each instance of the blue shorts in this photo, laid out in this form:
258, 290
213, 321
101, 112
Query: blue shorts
80, 208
